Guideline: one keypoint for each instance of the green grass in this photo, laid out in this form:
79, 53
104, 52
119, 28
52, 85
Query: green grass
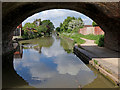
90, 36
99, 39
74, 37
77, 39
96, 62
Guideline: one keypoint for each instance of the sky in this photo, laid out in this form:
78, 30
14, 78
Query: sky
57, 16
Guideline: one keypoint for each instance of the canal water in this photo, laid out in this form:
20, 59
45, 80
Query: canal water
48, 62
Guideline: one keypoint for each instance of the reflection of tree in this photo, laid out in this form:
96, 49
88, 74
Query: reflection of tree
57, 37
39, 43
67, 45
68, 50
38, 48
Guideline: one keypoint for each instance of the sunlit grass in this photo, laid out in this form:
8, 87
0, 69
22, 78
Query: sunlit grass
99, 39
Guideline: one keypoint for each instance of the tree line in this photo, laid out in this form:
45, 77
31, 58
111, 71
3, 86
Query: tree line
38, 28
72, 24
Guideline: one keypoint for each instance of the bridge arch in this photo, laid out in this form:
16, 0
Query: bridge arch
107, 15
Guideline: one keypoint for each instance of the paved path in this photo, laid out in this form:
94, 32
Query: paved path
88, 42
107, 58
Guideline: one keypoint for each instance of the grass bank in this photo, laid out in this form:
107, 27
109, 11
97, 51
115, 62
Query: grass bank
99, 39
76, 39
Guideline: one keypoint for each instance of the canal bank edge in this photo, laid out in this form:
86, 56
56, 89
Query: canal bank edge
85, 56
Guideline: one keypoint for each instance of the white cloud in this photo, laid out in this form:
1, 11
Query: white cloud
87, 21
57, 16
54, 50
67, 65
41, 71
52, 14
70, 64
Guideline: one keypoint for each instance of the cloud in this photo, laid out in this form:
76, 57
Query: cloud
87, 20
57, 16
54, 50
41, 71
52, 14
70, 64
67, 65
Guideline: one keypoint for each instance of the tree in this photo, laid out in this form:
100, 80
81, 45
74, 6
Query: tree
74, 25
49, 25
37, 22
64, 25
58, 29
71, 24
28, 30
29, 25
94, 23
42, 29
35, 29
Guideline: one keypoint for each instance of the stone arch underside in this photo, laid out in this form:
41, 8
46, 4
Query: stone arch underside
106, 15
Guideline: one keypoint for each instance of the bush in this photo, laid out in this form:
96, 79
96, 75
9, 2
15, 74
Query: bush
94, 24
25, 37
100, 41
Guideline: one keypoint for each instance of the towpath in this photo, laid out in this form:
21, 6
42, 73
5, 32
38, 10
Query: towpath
107, 58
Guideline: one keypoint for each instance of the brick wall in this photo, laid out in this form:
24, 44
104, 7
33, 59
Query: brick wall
98, 31
91, 30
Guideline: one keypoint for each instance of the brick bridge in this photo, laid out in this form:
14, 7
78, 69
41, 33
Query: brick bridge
106, 15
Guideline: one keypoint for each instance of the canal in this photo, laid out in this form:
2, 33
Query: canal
49, 62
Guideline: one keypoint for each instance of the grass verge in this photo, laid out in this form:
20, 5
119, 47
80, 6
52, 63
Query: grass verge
99, 39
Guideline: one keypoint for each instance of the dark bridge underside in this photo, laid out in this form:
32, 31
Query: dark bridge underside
107, 15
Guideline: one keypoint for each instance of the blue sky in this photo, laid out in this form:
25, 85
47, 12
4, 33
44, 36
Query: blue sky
57, 16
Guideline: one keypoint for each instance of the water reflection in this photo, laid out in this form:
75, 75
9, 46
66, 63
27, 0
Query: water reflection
38, 43
19, 52
67, 44
45, 64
